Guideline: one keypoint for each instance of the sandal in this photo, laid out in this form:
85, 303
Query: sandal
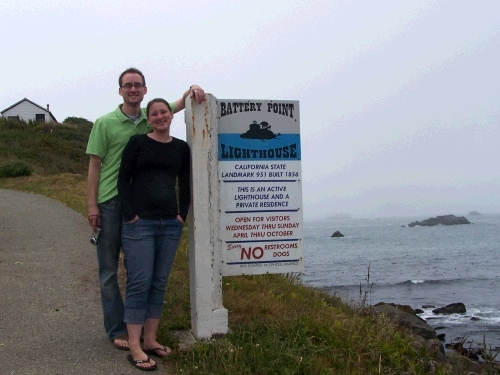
154, 351
141, 361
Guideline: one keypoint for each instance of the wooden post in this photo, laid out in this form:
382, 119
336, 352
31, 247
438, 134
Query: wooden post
208, 315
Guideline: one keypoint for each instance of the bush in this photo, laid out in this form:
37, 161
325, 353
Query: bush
14, 169
9, 124
79, 121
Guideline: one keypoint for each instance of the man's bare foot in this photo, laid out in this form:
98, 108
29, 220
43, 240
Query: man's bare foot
121, 342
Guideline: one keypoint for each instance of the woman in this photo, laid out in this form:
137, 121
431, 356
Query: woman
153, 222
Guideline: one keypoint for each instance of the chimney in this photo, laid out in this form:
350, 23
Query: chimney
48, 108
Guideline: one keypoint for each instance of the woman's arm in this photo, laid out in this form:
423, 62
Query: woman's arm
184, 180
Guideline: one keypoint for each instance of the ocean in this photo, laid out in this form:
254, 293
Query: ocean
415, 266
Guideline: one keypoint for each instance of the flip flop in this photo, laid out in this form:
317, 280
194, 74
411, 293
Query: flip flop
140, 361
117, 345
154, 352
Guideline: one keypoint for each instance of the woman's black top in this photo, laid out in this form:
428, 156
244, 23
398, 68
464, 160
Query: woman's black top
147, 178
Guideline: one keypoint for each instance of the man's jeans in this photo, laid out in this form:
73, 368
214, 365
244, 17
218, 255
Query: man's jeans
149, 247
108, 253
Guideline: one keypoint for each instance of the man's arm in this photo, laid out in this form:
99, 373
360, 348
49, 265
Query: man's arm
194, 91
92, 186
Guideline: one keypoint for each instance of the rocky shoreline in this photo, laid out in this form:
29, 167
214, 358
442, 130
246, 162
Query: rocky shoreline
408, 318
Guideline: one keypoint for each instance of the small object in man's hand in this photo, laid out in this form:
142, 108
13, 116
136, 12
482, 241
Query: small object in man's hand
94, 237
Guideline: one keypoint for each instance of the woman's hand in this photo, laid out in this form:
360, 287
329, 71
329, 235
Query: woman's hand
133, 220
180, 219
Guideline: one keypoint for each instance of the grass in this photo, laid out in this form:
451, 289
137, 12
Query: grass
14, 169
277, 325
47, 149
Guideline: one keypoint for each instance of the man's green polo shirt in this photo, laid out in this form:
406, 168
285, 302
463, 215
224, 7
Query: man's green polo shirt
107, 140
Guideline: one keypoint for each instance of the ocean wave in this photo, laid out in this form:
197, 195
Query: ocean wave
485, 315
437, 281
319, 281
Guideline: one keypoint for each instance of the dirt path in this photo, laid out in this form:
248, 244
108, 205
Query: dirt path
50, 311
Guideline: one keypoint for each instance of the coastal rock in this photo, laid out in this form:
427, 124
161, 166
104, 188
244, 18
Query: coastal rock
405, 308
337, 234
441, 220
453, 308
474, 213
407, 320
466, 352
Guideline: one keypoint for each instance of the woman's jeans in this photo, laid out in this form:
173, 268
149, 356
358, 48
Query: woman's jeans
149, 246
108, 255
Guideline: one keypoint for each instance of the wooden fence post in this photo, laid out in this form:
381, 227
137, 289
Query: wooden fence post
208, 315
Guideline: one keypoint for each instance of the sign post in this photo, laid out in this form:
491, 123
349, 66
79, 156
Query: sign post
246, 210
208, 315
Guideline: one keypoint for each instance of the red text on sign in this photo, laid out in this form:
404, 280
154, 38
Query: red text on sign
256, 253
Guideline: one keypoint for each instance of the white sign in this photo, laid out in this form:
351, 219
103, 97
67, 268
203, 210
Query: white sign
261, 190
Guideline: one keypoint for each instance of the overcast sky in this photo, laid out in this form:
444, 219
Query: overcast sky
399, 100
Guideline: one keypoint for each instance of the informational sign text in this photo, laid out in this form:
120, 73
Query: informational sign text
261, 192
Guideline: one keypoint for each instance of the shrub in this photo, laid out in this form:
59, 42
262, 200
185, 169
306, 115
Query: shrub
79, 121
14, 169
8, 123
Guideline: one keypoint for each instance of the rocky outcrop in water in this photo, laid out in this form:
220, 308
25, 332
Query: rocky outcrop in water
441, 220
337, 234
453, 308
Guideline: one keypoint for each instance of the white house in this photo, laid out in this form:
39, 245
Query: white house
26, 110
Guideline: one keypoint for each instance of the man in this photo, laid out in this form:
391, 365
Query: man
109, 136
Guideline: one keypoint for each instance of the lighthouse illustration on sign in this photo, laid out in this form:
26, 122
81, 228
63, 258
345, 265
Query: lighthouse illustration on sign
260, 131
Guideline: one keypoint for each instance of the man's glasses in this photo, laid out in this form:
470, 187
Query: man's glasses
128, 86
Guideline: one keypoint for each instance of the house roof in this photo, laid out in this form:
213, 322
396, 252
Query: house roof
29, 101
